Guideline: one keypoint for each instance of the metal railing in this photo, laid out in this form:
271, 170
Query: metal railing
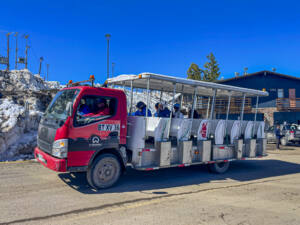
222, 103
288, 104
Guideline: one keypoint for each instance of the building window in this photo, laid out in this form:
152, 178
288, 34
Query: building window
280, 93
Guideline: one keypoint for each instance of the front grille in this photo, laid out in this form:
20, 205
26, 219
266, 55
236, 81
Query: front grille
44, 146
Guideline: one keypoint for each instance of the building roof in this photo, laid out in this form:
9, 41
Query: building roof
258, 73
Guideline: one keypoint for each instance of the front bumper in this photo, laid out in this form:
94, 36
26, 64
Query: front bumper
58, 165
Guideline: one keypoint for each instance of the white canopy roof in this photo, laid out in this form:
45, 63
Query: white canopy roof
187, 86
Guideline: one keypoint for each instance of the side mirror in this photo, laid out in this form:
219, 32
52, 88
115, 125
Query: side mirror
69, 108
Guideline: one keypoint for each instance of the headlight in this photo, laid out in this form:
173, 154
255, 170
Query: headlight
60, 148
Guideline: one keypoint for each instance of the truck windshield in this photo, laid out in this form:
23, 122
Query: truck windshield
58, 107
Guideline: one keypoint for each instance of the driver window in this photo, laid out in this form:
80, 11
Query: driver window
92, 109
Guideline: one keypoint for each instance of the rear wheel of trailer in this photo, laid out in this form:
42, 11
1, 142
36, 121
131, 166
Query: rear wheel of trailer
219, 168
104, 172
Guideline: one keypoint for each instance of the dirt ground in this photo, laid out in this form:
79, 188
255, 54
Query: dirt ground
258, 191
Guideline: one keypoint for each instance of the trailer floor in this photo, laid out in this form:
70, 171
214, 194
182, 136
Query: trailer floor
259, 191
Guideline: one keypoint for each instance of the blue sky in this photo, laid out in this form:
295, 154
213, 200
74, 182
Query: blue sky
155, 36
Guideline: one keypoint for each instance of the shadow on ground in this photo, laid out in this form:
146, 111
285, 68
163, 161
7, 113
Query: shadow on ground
134, 180
289, 146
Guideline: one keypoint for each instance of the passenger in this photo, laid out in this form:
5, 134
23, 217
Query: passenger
196, 115
161, 110
102, 109
83, 108
141, 106
177, 113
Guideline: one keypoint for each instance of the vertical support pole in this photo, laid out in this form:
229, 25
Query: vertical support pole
147, 106
160, 97
181, 98
213, 105
228, 108
131, 96
256, 108
208, 105
194, 103
242, 112
243, 107
171, 114
148, 96
16, 57
227, 115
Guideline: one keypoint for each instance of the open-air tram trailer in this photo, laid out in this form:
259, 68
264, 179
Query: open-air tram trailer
104, 145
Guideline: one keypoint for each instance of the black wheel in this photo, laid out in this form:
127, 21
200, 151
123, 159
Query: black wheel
104, 172
219, 168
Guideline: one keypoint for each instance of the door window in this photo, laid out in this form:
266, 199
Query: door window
92, 109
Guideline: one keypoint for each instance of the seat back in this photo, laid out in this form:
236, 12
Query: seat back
181, 128
247, 131
195, 127
203, 130
136, 132
235, 131
219, 131
259, 129
157, 127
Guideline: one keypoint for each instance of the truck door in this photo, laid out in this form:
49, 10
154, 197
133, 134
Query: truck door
96, 126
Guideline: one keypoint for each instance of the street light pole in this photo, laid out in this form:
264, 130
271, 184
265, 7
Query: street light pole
7, 35
112, 69
40, 68
26, 51
107, 38
16, 56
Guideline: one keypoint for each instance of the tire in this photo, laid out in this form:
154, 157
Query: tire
283, 141
219, 168
104, 172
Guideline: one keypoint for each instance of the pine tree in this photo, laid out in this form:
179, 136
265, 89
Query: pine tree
211, 71
194, 72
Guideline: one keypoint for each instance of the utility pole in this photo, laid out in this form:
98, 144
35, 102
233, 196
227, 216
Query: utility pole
16, 58
112, 69
107, 38
47, 72
7, 35
26, 51
41, 60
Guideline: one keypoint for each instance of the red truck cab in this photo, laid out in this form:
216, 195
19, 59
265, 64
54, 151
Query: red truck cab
73, 136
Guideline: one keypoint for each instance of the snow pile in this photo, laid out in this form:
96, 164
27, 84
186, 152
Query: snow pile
22, 104
24, 80
18, 128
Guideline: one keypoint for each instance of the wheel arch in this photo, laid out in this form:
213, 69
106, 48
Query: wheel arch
113, 151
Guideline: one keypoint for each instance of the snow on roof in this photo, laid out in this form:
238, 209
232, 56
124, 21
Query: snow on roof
187, 86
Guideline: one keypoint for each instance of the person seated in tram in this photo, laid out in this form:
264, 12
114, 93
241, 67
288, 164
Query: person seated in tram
83, 108
141, 106
196, 114
161, 110
177, 113
101, 108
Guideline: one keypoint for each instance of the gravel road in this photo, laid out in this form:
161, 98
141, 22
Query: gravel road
258, 191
